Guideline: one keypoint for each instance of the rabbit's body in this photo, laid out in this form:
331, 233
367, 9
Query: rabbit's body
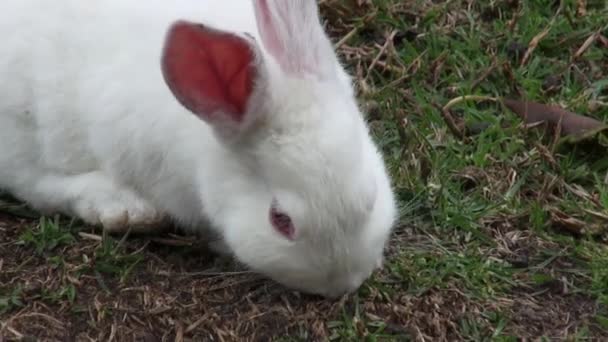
89, 127
69, 121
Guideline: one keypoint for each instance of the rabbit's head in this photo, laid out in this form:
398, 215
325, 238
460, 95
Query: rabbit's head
320, 208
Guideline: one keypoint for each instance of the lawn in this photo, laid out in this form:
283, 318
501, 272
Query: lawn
503, 232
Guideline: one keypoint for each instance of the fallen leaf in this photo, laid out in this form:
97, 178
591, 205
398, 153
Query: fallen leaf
568, 223
576, 226
571, 123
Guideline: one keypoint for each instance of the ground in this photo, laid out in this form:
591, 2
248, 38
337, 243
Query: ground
502, 234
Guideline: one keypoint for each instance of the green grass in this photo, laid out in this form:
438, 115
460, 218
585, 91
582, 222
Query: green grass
109, 260
10, 299
470, 197
47, 236
112, 259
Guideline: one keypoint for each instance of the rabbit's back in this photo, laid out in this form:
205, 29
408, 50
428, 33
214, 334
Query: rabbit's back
79, 79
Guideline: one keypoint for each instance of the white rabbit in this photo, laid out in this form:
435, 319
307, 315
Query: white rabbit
229, 114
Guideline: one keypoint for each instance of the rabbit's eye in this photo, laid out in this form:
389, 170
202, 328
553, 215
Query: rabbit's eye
282, 223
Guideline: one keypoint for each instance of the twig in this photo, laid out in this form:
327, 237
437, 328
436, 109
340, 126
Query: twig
12, 330
485, 75
172, 242
380, 53
581, 50
460, 99
534, 43
449, 119
390, 67
88, 236
48, 318
450, 122
346, 38
212, 274
536, 40
405, 73
195, 325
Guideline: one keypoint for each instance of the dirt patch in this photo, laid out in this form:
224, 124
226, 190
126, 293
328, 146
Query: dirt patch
167, 296
175, 294
548, 311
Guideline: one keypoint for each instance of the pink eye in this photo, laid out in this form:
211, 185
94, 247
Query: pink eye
282, 223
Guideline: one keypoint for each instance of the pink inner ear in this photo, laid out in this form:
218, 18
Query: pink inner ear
210, 72
289, 31
269, 31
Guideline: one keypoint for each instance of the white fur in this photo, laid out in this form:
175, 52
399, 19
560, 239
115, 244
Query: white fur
88, 127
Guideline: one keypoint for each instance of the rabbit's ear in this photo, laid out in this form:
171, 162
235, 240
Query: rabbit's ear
291, 32
210, 72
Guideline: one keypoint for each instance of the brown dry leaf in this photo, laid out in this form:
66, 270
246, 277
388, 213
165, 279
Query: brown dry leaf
568, 223
576, 226
581, 9
533, 44
571, 123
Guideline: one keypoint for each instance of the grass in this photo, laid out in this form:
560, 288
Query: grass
503, 234
46, 236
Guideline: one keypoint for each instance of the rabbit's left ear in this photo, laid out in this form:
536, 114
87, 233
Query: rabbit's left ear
291, 31
214, 74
